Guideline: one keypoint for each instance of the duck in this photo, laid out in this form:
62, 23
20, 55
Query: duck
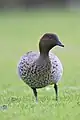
43, 68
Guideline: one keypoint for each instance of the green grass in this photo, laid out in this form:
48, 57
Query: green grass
19, 33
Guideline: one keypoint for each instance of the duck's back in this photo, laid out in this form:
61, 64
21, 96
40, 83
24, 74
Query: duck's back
39, 75
29, 58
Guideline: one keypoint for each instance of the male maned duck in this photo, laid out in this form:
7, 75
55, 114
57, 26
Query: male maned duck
40, 69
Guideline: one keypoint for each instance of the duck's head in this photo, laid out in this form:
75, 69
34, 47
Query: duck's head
48, 41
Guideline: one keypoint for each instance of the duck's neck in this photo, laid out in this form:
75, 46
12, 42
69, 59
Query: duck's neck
44, 55
43, 59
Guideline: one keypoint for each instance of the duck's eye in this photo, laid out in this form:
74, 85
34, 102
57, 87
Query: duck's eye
50, 37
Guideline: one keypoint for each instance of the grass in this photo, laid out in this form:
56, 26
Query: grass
19, 33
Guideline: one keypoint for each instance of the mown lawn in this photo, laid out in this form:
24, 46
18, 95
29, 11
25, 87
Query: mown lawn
19, 33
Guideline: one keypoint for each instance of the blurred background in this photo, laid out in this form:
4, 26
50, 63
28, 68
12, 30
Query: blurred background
22, 23
38, 3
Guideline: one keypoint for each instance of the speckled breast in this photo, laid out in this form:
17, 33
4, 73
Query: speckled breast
39, 75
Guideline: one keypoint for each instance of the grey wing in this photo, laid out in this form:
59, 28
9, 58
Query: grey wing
25, 62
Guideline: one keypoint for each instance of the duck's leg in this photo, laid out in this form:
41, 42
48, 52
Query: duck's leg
56, 91
35, 94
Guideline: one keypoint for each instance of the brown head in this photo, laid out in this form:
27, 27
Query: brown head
48, 41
